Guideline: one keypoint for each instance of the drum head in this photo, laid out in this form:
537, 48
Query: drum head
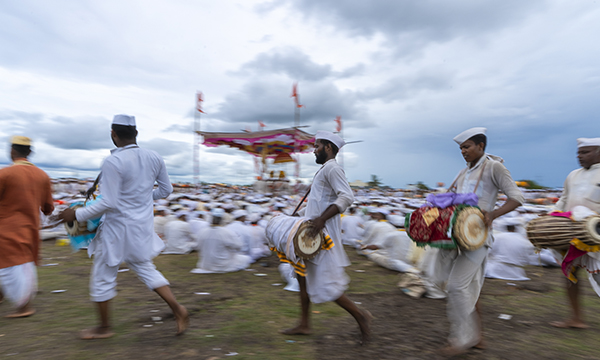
307, 247
469, 230
592, 226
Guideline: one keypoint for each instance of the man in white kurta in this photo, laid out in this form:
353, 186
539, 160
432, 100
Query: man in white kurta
387, 246
582, 188
352, 229
126, 233
326, 279
259, 247
219, 249
238, 227
178, 236
510, 253
463, 272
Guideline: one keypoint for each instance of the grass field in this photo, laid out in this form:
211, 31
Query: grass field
243, 313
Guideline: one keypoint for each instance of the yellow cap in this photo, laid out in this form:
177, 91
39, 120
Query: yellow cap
20, 140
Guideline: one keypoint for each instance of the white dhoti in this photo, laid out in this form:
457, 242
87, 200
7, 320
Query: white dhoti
326, 278
464, 276
103, 279
19, 283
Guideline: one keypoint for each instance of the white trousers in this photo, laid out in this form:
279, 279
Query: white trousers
19, 283
103, 280
464, 279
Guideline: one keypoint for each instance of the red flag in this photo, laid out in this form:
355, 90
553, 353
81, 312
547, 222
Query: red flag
295, 95
338, 120
199, 100
260, 124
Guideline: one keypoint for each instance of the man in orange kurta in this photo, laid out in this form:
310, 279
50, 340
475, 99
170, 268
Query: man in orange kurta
24, 191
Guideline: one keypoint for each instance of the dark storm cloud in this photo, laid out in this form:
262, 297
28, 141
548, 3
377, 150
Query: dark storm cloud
268, 100
84, 133
401, 87
428, 20
287, 61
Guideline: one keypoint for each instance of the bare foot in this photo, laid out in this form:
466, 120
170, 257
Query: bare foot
183, 320
96, 333
22, 312
365, 326
450, 351
570, 324
298, 330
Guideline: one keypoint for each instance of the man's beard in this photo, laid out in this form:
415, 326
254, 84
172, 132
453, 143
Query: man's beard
321, 157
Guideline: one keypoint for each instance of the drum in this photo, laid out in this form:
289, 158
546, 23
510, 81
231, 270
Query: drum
81, 233
290, 235
447, 228
469, 230
557, 232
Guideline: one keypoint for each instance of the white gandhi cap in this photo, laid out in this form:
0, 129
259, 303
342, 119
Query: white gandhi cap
126, 120
581, 142
334, 138
467, 134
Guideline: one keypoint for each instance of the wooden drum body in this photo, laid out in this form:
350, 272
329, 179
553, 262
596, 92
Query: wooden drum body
557, 232
290, 235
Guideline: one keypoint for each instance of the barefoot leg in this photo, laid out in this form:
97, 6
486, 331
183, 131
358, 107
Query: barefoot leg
363, 318
23, 311
576, 320
304, 327
181, 314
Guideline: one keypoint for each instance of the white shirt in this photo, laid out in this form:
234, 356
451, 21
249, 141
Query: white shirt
178, 236
243, 232
581, 188
352, 228
330, 186
127, 187
220, 250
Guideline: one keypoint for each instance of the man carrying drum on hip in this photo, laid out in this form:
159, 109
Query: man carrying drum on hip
582, 188
325, 278
463, 272
127, 232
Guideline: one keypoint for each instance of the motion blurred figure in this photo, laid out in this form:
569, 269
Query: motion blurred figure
463, 272
325, 278
582, 188
127, 231
24, 190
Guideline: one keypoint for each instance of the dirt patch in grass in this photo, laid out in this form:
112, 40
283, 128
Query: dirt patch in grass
243, 313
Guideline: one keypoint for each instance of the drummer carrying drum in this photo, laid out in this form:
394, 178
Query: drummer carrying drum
461, 270
582, 188
325, 278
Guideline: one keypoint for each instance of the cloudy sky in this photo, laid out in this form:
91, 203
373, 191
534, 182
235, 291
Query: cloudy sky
405, 76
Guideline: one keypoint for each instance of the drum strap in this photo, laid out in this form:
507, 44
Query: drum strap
301, 201
464, 171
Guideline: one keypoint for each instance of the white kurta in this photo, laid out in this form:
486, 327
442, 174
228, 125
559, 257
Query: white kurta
220, 252
511, 251
258, 242
127, 187
127, 230
178, 237
159, 225
243, 232
462, 272
352, 230
394, 251
326, 279
582, 187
